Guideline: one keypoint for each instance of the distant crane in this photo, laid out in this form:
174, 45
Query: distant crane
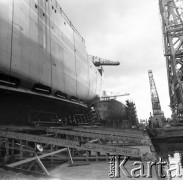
156, 107
171, 12
106, 97
103, 62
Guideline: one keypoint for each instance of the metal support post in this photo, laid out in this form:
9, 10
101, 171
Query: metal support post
42, 166
21, 149
70, 155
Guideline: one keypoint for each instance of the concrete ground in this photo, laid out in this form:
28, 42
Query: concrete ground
97, 171
100, 170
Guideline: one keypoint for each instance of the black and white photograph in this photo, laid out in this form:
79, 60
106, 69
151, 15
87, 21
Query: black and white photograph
91, 89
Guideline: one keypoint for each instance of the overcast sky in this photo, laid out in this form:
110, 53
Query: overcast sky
128, 31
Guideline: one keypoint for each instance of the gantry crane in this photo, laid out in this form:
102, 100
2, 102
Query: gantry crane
172, 27
103, 62
156, 107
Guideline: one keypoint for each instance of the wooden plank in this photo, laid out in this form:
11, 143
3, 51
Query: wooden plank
124, 138
42, 166
109, 132
34, 158
128, 136
39, 139
126, 151
73, 144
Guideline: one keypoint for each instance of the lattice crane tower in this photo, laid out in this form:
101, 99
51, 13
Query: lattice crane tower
172, 27
154, 96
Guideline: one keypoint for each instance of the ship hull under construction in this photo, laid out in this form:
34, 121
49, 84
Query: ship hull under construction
42, 56
112, 112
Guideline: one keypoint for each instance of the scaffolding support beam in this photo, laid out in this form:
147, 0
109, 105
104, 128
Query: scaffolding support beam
34, 158
134, 152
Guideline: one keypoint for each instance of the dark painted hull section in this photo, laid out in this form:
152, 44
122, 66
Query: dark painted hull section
111, 110
22, 108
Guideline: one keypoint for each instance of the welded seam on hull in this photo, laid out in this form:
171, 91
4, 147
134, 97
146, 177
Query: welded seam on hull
54, 33
75, 65
50, 46
72, 51
66, 18
51, 29
12, 29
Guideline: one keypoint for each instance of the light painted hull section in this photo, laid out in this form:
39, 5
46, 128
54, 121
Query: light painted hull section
39, 46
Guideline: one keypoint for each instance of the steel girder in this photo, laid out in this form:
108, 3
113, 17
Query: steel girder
172, 26
156, 107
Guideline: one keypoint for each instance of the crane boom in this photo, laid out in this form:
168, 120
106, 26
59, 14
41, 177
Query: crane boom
154, 96
171, 12
103, 62
114, 96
